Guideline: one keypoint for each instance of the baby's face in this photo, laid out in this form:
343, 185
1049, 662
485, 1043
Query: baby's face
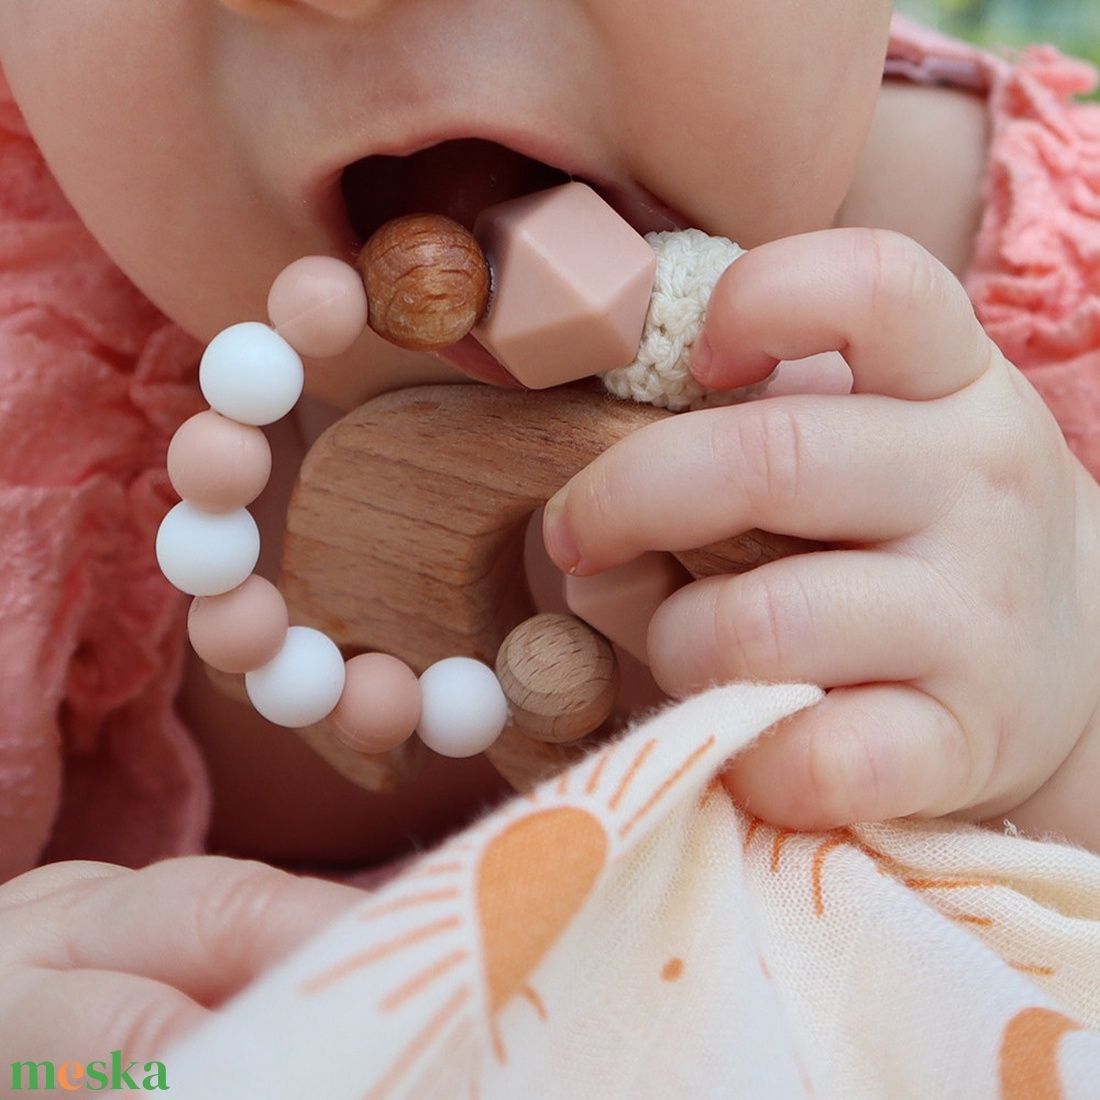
207, 143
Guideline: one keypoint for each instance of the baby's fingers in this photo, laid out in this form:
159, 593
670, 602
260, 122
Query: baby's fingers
80, 1016
821, 467
205, 926
901, 319
837, 618
867, 753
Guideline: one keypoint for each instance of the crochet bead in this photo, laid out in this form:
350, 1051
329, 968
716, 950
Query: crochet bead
318, 305
303, 682
218, 464
380, 706
239, 630
251, 374
207, 553
463, 707
427, 281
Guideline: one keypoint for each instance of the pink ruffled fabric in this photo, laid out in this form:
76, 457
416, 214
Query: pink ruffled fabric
1035, 280
93, 761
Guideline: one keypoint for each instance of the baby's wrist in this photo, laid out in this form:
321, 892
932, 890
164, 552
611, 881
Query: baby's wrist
1066, 806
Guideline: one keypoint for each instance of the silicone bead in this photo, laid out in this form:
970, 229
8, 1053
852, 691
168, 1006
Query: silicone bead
620, 602
239, 630
571, 285
251, 374
380, 706
463, 707
207, 553
218, 464
303, 682
318, 305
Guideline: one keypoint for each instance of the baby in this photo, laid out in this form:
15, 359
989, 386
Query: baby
208, 143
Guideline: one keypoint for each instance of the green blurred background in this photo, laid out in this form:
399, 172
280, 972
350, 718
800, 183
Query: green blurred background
1072, 25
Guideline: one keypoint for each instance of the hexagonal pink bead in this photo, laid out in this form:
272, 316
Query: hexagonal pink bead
571, 285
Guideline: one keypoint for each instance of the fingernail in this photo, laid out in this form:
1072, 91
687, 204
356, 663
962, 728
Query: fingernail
556, 534
702, 358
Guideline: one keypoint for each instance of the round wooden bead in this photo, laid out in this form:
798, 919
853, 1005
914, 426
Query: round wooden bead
463, 710
251, 374
380, 706
427, 281
318, 305
559, 676
207, 553
218, 464
302, 683
239, 630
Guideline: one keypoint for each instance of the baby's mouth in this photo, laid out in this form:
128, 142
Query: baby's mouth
460, 178
463, 176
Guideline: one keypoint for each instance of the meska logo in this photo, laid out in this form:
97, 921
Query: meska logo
95, 1076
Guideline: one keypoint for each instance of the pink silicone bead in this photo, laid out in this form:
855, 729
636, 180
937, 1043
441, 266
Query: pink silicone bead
620, 602
218, 464
380, 706
571, 285
241, 630
318, 305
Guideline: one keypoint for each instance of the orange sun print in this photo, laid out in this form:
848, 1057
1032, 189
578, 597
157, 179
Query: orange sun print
476, 920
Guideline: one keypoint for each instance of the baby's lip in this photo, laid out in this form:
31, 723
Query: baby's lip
478, 363
641, 209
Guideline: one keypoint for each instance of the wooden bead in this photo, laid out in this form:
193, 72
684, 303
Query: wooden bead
560, 677
427, 281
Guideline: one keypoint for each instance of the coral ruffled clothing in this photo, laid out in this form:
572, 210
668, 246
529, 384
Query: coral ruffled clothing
93, 381
94, 762
1035, 279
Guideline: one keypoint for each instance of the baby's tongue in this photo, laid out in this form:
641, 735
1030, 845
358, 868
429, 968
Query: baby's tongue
458, 178
462, 178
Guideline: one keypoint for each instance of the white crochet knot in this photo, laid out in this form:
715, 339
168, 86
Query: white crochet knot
689, 263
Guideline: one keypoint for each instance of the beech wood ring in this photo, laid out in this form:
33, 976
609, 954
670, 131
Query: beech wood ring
405, 534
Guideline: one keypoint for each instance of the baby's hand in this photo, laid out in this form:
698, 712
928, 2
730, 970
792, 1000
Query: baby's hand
956, 615
96, 958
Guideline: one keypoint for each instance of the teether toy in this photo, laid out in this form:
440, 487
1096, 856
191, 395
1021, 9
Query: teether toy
564, 293
558, 287
571, 284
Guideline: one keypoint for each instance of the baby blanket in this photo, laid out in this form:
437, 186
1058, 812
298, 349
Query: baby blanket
625, 931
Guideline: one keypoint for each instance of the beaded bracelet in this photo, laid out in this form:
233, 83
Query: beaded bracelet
423, 283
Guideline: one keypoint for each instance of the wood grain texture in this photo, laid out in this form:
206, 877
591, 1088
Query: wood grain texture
560, 677
405, 531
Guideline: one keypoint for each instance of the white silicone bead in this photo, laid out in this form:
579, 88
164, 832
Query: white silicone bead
207, 553
251, 374
302, 683
464, 709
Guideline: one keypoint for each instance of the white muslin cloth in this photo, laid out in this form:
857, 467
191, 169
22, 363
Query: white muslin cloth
625, 932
